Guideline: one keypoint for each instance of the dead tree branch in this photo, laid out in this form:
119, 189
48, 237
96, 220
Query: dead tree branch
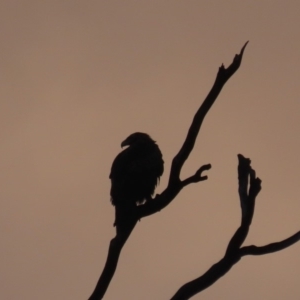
128, 218
175, 184
234, 251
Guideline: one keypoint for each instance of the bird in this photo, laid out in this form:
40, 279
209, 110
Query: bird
135, 171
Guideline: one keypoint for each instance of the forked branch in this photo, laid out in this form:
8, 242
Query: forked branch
175, 184
127, 218
249, 187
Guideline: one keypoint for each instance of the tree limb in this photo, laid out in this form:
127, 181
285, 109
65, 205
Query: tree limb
175, 184
108, 272
197, 176
234, 252
271, 248
126, 224
223, 75
126, 218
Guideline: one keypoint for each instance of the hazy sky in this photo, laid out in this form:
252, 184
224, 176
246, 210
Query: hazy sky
77, 77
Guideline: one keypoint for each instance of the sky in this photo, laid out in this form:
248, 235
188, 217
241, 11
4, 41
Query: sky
77, 77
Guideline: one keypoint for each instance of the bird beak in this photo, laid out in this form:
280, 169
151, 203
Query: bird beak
124, 143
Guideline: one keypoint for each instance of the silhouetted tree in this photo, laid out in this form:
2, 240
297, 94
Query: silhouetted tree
249, 187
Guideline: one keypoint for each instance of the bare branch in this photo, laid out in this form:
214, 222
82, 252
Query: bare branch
197, 176
114, 251
194, 287
175, 184
126, 218
274, 247
223, 75
247, 200
249, 187
232, 254
234, 251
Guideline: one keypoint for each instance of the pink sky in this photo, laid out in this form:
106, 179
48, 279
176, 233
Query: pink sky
77, 77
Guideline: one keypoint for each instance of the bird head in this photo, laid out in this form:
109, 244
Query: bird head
137, 138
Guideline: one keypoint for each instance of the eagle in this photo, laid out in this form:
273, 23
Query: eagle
136, 171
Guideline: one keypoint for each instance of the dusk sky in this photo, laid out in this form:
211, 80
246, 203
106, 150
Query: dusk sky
77, 77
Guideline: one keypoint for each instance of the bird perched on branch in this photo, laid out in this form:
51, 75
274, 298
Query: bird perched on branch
135, 171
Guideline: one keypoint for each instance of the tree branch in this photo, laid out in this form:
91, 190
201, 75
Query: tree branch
175, 184
126, 218
197, 176
234, 252
247, 200
114, 251
126, 225
271, 248
223, 75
